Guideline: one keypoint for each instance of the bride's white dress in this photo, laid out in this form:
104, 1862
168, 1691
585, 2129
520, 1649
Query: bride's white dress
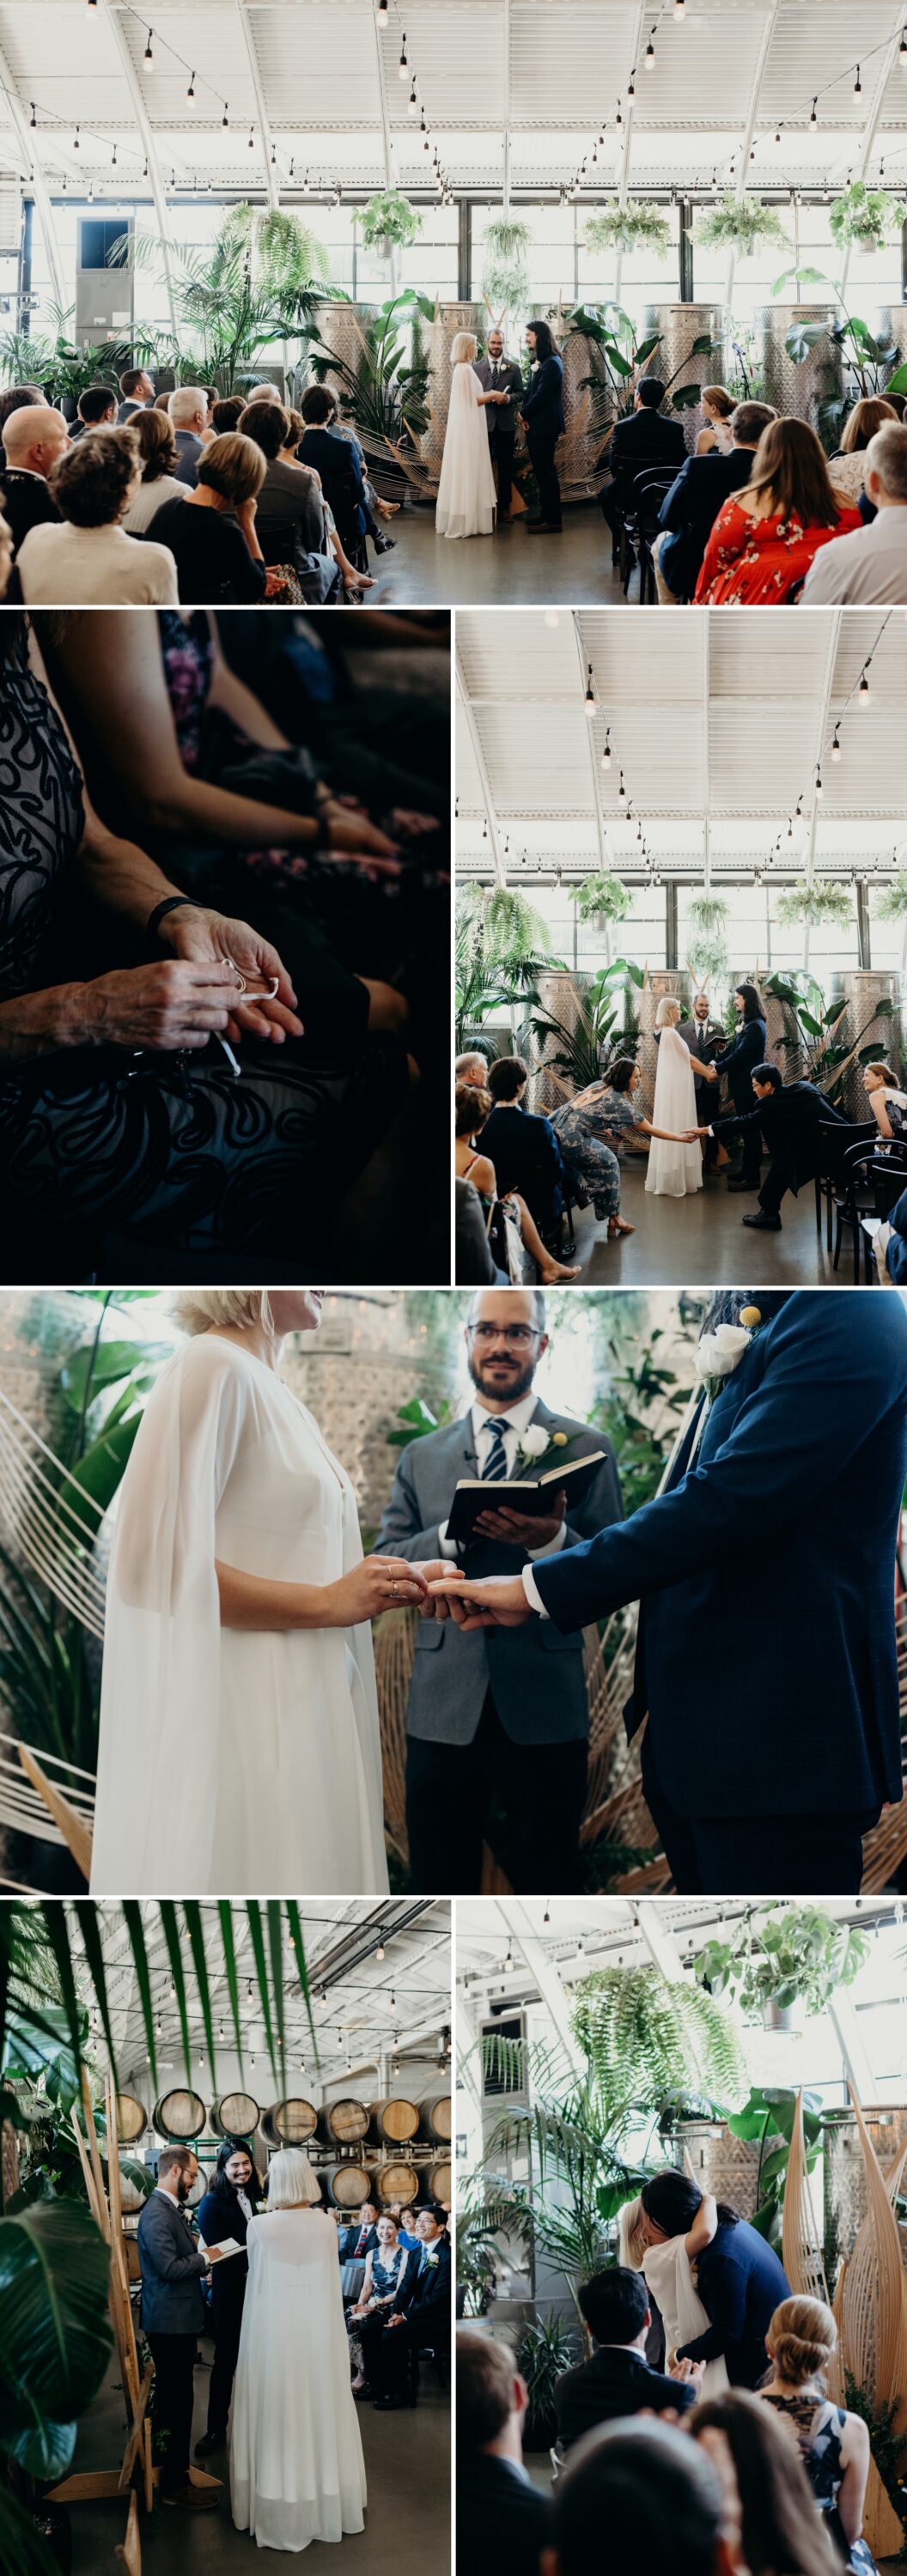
296, 2466
668, 2272
466, 493
233, 1762
674, 1170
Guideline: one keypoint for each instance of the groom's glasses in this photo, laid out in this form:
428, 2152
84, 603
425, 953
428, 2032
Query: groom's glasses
516, 1334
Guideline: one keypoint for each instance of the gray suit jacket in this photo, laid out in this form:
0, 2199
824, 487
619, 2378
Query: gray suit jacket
172, 2271
535, 1673
500, 416
715, 1038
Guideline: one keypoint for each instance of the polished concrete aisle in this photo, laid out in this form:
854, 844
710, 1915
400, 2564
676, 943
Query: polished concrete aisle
407, 2522
701, 1243
507, 570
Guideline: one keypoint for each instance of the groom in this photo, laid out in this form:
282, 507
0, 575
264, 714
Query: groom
500, 375
500, 1718
542, 411
766, 1657
739, 2278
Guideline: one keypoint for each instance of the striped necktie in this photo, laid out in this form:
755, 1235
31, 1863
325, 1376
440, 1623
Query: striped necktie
496, 1462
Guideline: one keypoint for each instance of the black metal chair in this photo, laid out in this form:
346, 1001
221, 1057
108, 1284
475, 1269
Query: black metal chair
874, 1183
834, 1142
650, 488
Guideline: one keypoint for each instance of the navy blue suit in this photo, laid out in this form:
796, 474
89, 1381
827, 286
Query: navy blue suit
338, 464
527, 1157
896, 1255
542, 409
767, 1663
425, 2306
741, 2282
690, 509
217, 2219
744, 1051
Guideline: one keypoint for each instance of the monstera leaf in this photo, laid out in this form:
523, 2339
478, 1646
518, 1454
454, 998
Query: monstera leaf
55, 2335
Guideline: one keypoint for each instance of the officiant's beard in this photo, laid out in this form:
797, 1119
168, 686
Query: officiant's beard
509, 1385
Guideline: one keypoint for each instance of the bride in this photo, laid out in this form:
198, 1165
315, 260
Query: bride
674, 1168
466, 493
666, 2263
239, 1742
296, 2467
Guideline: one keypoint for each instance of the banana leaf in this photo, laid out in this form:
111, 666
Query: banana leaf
55, 2334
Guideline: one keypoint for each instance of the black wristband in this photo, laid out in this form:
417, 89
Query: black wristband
170, 904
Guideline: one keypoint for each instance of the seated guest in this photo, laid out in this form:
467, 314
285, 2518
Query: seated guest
472, 1067
337, 462
848, 464
645, 436
86, 560
660, 2503
360, 2237
14, 397
136, 392
352, 581
227, 413
381, 2293
187, 409
372, 499
524, 1149
95, 409
765, 538
592, 1165
471, 1107
774, 2515
289, 497
891, 1245
869, 567
833, 2442
212, 535
406, 2227
887, 1102
422, 2317
34, 438
152, 433
717, 407
689, 510
474, 1262
617, 2381
262, 393
503, 2523
211, 396
787, 1118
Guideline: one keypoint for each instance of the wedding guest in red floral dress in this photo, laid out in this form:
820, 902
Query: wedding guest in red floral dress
765, 536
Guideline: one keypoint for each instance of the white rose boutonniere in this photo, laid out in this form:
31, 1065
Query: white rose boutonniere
721, 1352
537, 1449
532, 1443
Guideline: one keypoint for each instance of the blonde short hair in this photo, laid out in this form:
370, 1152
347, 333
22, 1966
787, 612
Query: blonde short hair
668, 1011
198, 1310
291, 2181
463, 347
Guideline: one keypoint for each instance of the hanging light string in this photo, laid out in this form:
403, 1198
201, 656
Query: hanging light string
811, 101
830, 745
196, 79
416, 107
65, 125
572, 188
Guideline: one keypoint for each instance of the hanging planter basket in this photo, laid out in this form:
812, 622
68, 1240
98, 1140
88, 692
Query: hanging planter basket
707, 936
390, 223
822, 901
600, 900
740, 224
635, 226
862, 218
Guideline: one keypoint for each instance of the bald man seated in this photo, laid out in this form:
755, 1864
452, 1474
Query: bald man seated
33, 438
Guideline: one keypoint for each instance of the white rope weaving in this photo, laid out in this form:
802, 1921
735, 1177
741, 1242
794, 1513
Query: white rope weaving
53, 1532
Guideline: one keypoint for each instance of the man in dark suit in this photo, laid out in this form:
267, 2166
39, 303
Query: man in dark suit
691, 506
496, 1718
779, 1529
136, 393
645, 436
173, 2317
523, 1148
359, 2240
617, 2380
96, 409
787, 1118
738, 1058
187, 409
542, 411
498, 374
738, 2276
33, 439
896, 1242
338, 464
424, 2316
503, 2523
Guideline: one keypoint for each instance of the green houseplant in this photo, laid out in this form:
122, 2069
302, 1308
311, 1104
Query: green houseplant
821, 901
545, 2349
740, 224
617, 356
577, 1051
864, 217
707, 935
799, 1955
636, 226
384, 390
600, 899
868, 358
390, 223
241, 296
506, 244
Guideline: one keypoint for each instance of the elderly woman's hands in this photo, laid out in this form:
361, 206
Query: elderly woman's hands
169, 1005
212, 938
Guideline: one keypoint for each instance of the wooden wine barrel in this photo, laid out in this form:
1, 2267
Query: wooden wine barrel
440, 2179
179, 2116
236, 2115
349, 2185
291, 2123
343, 2123
395, 2181
132, 2119
394, 2124
436, 2119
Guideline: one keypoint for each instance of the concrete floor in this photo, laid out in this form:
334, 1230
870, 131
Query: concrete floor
407, 2522
507, 570
701, 1243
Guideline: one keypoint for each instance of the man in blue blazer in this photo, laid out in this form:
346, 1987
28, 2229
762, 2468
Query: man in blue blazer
689, 510
766, 1658
735, 1067
896, 1246
424, 2316
523, 1147
542, 412
173, 2317
739, 2278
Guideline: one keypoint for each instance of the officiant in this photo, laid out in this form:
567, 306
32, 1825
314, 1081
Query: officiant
498, 1718
498, 374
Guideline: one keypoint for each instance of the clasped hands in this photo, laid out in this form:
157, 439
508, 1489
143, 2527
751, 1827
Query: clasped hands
500, 1600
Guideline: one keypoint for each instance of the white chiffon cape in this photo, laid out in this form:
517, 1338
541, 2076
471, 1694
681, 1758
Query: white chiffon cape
233, 1762
674, 1170
466, 493
296, 2466
669, 2275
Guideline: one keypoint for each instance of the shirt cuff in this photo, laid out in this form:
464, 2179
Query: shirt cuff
532, 1592
552, 1546
448, 1546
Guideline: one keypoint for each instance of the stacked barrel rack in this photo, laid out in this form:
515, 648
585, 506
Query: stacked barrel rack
397, 2150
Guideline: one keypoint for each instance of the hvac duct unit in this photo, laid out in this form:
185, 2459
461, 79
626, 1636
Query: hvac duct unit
10, 214
103, 294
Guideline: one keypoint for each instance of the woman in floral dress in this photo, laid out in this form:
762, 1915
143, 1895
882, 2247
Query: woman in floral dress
766, 535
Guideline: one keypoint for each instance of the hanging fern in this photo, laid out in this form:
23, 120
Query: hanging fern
892, 905
635, 226
644, 2038
600, 898
821, 901
390, 218
740, 224
511, 927
863, 216
287, 256
505, 269
707, 935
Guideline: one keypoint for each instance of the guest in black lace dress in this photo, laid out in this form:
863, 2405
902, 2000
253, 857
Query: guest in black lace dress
121, 1107
832, 2441
385, 2269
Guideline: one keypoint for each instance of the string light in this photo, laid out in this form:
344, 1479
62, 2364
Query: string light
148, 55
606, 754
858, 85
590, 694
190, 93
379, 1954
621, 792
864, 691
650, 53
836, 745
403, 66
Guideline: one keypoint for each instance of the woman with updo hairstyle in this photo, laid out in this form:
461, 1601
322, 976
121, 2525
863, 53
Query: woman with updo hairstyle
216, 550
801, 2342
152, 434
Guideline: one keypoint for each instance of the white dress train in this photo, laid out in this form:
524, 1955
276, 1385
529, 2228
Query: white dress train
233, 1762
296, 2466
668, 2273
674, 1171
466, 493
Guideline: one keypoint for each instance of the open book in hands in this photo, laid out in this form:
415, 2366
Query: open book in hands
474, 1495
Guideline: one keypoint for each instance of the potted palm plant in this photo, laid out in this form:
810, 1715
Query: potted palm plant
545, 2349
